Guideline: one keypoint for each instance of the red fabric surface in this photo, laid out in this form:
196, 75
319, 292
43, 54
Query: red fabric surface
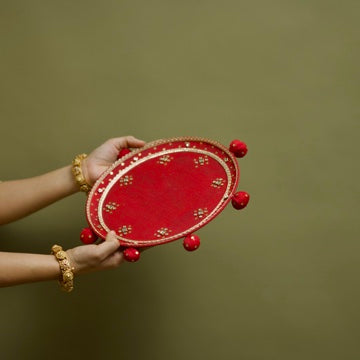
163, 192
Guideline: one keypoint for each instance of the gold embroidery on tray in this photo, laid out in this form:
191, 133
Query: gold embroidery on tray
125, 230
165, 159
162, 232
201, 161
217, 183
200, 213
126, 180
110, 207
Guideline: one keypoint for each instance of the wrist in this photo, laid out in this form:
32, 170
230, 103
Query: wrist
80, 174
66, 278
79, 265
86, 172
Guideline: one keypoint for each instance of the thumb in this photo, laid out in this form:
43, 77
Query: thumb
131, 141
127, 142
109, 246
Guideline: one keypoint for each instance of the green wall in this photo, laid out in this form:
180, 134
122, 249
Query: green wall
279, 280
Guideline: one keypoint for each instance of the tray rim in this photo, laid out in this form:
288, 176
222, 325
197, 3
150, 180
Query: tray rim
149, 243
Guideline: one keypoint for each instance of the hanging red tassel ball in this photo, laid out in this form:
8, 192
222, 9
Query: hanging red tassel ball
87, 236
131, 254
238, 148
240, 200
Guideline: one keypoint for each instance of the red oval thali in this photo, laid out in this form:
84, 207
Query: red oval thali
163, 191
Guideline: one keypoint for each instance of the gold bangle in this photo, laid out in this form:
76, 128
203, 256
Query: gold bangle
66, 278
78, 175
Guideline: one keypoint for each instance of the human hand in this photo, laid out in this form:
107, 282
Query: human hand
103, 156
87, 258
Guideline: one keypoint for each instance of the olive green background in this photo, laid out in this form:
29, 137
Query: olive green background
279, 280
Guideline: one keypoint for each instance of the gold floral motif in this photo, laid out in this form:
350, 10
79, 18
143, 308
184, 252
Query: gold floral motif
125, 230
217, 183
201, 161
56, 248
161, 233
68, 275
165, 159
110, 207
200, 213
126, 180
60, 255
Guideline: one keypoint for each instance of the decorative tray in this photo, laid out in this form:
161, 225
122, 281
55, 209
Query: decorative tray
164, 191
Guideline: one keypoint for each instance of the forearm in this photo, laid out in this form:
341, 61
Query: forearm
19, 198
18, 268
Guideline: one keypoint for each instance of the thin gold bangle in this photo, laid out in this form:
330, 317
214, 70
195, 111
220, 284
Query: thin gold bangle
78, 175
66, 278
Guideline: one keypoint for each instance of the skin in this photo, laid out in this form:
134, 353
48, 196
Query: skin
20, 198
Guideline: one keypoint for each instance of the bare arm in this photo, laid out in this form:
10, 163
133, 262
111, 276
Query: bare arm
19, 198
18, 268
22, 268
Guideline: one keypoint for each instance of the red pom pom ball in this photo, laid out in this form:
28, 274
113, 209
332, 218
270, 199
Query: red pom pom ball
131, 254
87, 236
240, 200
238, 148
123, 152
191, 242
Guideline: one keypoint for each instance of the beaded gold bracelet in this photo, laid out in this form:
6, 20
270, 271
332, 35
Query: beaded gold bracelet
66, 278
77, 172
